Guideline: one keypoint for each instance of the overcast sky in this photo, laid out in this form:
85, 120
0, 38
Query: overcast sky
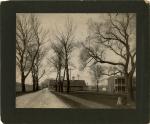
53, 20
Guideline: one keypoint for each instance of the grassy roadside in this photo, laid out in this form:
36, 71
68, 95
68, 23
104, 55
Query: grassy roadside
102, 98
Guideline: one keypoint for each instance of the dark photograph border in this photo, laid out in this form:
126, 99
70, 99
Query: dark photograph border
11, 114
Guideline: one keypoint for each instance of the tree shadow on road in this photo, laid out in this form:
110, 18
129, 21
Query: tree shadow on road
72, 103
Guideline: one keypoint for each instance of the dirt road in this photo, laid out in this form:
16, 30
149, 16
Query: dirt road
40, 99
46, 99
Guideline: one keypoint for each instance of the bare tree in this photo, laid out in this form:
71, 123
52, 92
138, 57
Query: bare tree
24, 37
53, 65
58, 62
97, 72
37, 72
66, 38
117, 36
39, 40
57, 65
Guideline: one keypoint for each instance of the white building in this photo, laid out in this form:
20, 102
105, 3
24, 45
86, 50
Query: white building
116, 84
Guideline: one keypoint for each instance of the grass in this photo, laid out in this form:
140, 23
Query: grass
102, 98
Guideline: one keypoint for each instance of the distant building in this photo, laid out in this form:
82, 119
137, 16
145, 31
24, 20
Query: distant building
116, 84
75, 85
45, 83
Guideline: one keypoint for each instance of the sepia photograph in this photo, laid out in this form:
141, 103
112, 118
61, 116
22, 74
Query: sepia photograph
76, 60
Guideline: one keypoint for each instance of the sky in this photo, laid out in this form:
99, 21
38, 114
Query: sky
53, 20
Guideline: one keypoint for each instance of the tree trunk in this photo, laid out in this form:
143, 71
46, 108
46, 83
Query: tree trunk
33, 80
56, 83
129, 88
56, 87
67, 70
62, 88
68, 81
59, 80
37, 84
59, 87
97, 86
23, 82
33, 84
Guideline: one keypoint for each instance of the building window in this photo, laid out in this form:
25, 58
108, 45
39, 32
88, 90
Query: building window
123, 81
123, 89
116, 89
116, 82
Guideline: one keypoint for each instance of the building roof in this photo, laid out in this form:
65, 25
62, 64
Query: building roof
72, 82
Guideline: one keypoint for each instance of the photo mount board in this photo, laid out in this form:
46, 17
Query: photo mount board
11, 114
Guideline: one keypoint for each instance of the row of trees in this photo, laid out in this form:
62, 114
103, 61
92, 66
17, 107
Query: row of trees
30, 38
62, 47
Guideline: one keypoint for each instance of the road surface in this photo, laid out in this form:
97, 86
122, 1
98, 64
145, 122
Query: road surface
40, 99
46, 99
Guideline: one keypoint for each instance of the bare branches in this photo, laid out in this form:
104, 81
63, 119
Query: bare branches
99, 57
113, 36
35, 25
41, 75
29, 40
36, 50
63, 47
22, 40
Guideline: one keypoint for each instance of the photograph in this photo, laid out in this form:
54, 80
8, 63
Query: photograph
76, 60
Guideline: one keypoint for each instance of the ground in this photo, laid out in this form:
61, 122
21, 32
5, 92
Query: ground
50, 99
40, 99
